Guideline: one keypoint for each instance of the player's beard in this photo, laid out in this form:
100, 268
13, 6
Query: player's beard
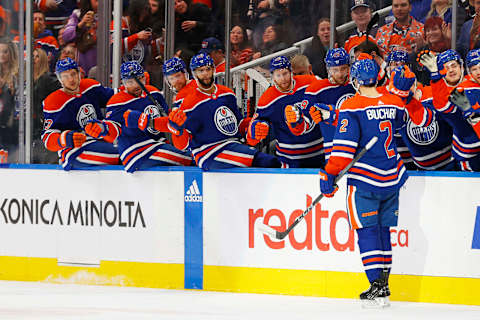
206, 84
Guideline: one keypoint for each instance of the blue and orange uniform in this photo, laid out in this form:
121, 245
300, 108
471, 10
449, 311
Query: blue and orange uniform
66, 113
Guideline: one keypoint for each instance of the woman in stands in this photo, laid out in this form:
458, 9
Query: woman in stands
241, 49
272, 41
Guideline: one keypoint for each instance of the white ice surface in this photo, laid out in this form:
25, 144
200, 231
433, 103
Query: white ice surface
33, 300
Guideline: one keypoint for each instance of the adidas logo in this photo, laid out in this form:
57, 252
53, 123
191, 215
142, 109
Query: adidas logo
193, 193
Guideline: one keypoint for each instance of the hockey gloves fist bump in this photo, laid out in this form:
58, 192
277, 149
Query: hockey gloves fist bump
176, 119
428, 59
293, 115
401, 82
71, 139
327, 184
258, 130
136, 119
96, 128
323, 112
459, 98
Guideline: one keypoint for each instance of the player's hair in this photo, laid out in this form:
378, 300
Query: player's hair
299, 60
41, 66
368, 46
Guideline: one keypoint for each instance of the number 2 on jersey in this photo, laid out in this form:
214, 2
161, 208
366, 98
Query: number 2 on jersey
386, 125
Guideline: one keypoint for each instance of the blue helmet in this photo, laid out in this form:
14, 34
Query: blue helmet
337, 57
201, 60
280, 62
64, 65
446, 56
473, 58
174, 65
397, 56
364, 71
130, 70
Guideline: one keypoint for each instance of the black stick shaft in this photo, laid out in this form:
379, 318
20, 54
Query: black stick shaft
149, 95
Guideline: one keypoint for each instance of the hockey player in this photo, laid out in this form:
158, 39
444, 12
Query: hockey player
67, 112
374, 181
446, 73
280, 107
210, 124
425, 148
135, 118
328, 95
176, 73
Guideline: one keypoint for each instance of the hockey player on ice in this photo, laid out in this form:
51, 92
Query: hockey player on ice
374, 181
67, 112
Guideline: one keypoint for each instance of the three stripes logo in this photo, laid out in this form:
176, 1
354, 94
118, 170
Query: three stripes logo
193, 193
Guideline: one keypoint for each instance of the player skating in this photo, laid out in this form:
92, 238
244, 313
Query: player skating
374, 181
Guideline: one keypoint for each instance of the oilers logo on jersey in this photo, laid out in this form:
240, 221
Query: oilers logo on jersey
154, 113
86, 113
225, 121
342, 99
422, 135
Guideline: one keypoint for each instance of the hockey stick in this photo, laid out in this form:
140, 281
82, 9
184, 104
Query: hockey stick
149, 95
279, 235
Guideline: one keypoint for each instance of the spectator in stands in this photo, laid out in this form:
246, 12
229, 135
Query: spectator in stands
442, 9
157, 9
404, 32
43, 38
272, 42
82, 30
438, 39
242, 51
8, 80
56, 12
317, 51
301, 65
61, 42
361, 14
215, 49
193, 22
470, 33
44, 83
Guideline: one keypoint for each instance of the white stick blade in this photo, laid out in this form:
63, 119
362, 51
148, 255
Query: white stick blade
267, 230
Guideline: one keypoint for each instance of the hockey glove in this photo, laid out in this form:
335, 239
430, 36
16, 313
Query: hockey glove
258, 130
71, 139
327, 184
401, 82
136, 119
293, 115
428, 59
96, 129
323, 112
176, 119
459, 98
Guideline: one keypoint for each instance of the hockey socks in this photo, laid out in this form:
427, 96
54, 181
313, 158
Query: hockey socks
375, 250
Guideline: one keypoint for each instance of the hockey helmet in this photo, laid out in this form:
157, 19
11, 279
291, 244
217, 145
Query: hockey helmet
201, 60
397, 56
337, 57
280, 62
446, 56
64, 65
174, 65
473, 58
364, 71
130, 70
